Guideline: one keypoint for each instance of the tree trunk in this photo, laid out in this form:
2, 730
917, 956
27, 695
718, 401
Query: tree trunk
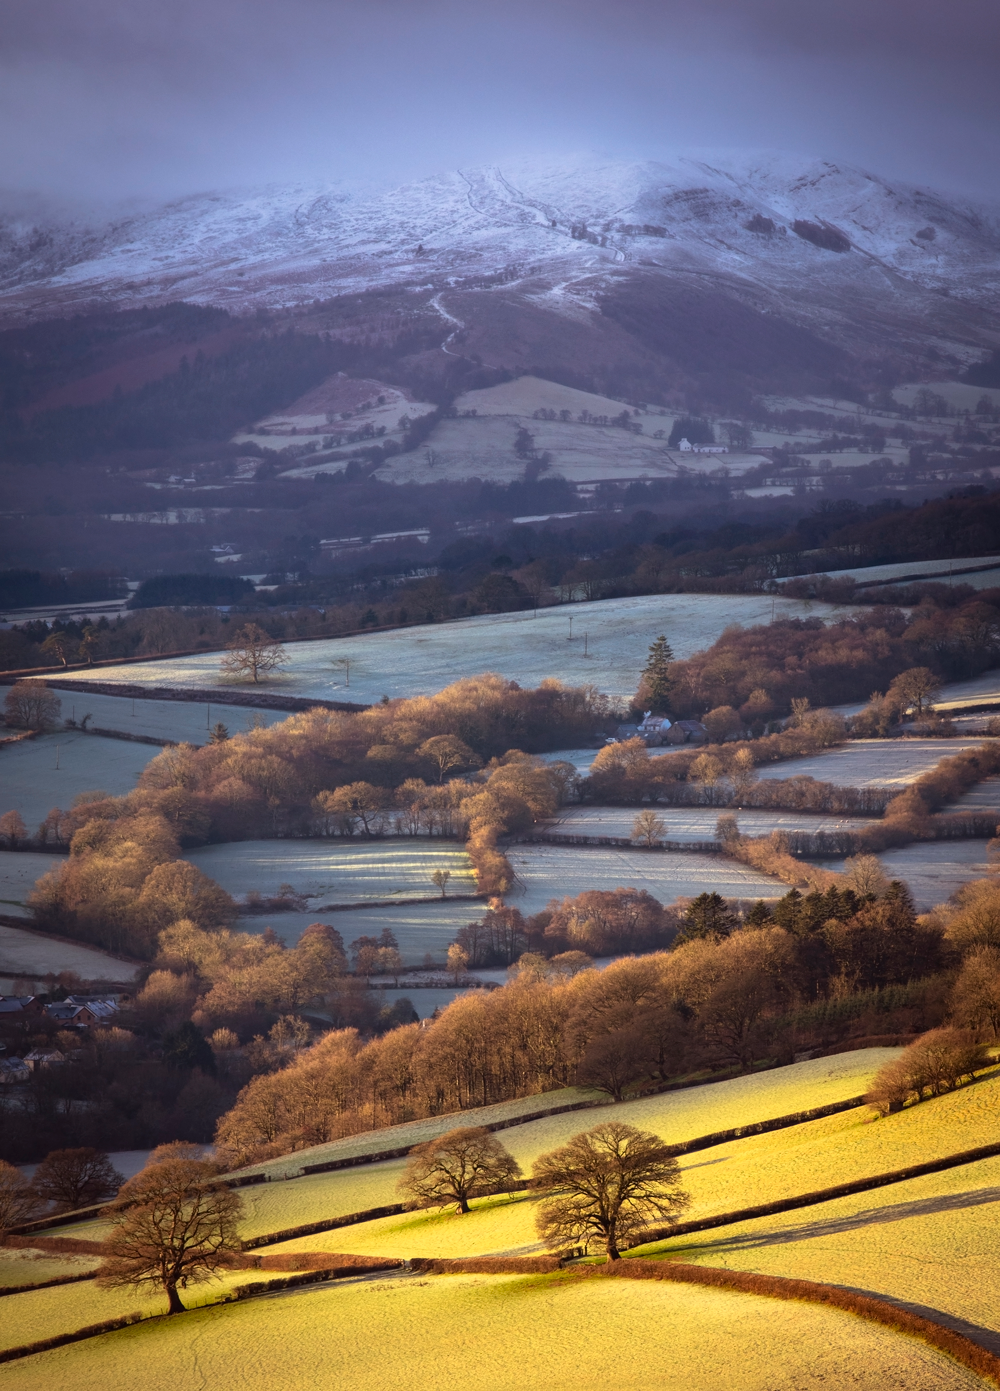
611, 1246
463, 1203
174, 1305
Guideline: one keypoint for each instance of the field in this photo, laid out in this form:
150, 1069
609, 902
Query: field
187, 722
19, 869
676, 1116
520, 646
694, 823
933, 870
337, 871
872, 762
410, 1332
928, 569
31, 783
930, 1243
985, 796
545, 872
33, 955
419, 928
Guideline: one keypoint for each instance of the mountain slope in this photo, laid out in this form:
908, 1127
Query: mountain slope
760, 267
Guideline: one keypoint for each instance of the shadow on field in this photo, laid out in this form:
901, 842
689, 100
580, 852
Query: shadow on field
830, 1226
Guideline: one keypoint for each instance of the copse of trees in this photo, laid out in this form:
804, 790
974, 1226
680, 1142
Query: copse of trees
737, 990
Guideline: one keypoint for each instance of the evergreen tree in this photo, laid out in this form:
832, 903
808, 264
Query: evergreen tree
654, 689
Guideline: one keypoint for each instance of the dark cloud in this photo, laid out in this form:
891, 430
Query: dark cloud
108, 98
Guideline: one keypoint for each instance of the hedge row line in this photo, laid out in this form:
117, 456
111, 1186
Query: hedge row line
330, 1224
722, 1137
48, 1284
489, 1265
825, 1195
963, 1350
309, 1277
93, 1330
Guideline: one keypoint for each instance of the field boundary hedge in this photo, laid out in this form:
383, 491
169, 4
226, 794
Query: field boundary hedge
673, 847
876, 1310
825, 1195
311, 1277
488, 1265
93, 1330
48, 1284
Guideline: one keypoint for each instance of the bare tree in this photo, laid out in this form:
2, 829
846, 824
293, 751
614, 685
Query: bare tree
918, 687
742, 772
440, 877
465, 1163
447, 751
12, 828
866, 876
610, 1183
31, 705
458, 962
648, 828
57, 645
174, 1224
253, 653
18, 1200
76, 1178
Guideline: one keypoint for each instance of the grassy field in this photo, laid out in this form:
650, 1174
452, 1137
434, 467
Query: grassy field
187, 722
872, 762
520, 646
545, 872
929, 569
30, 1267
337, 871
19, 870
30, 954
934, 870
694, 823
420, 928
33, 785
455, 1333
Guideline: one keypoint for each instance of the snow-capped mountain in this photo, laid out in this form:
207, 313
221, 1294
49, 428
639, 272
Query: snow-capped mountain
833, 248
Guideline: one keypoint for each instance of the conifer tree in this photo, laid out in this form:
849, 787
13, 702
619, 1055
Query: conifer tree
654, 688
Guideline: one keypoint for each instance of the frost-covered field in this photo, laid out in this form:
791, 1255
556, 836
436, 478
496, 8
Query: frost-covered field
928, 568
19, 870
872, 762
337, 871
675, 1116
407, 1333
523, 647
934, 870
188, 722
31, 783
694, 823
420, 928
545, 872
33, 955
985, 796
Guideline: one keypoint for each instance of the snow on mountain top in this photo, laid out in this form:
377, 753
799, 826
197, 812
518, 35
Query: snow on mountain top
288, 244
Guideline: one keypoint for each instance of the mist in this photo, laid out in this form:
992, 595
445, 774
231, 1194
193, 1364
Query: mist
102, 101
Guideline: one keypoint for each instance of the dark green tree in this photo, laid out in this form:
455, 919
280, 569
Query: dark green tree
185, 1049
708, 915
656, 683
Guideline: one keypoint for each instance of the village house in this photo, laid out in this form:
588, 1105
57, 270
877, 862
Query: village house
686, 447
20, 1007
82, 1012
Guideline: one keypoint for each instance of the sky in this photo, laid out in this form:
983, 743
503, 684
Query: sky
108, 100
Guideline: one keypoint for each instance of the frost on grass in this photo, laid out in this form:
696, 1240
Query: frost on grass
407, 1333
520, 646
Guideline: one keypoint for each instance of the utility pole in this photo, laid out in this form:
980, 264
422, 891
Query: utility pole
585, 644
570, 639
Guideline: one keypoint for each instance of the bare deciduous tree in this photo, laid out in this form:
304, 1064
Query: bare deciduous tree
18, 1199
611, 1184
12, 828
173, 1225
648, 828
440, 877
31, 705
465, 1163
75, 1178
447, 751
253, 653
918, 687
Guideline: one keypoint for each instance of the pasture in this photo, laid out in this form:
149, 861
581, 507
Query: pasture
524, 647
421, 929
934, 870
186, 722
337, 871
545, 872
872, 762
693, 823
19, 871
32, 955
50, 771
927, 569
407, 1332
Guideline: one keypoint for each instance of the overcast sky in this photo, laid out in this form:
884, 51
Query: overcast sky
109, 99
